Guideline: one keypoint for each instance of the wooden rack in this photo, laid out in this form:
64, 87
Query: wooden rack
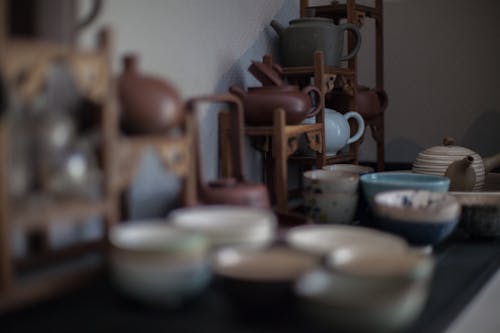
355, 13
282, 140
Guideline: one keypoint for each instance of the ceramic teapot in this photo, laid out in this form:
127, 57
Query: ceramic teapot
148, 104
370, 102
337, 131
304, 36
260, 103
449, 159
228, 191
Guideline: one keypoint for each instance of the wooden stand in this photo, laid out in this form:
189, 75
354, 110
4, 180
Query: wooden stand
355, 13
32, 213
282, 140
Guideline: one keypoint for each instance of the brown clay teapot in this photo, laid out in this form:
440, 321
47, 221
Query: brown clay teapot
369, 102
235, 190
148, 105
260, 103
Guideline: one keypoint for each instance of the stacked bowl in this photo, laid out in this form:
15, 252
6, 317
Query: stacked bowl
330, 196
155, 263
228, 225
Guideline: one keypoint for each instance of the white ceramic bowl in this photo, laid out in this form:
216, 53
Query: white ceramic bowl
355, 168
325, 181
158, 264
421, 217
228, 225
322, 239
333, 302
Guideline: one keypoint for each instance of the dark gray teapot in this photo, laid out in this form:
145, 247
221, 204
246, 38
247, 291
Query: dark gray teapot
304, 36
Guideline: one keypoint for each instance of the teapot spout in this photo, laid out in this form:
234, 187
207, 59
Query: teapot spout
462, 175
278, 28
491, 162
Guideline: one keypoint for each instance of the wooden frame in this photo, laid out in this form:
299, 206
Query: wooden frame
355, 13
282, 140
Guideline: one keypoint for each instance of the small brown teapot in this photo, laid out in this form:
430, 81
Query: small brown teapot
369, 102
148, 104
260, 103
235, 190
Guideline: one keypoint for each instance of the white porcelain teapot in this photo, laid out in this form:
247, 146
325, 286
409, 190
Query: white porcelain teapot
337, 131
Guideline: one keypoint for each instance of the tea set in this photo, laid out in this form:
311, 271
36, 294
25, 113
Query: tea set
329, 266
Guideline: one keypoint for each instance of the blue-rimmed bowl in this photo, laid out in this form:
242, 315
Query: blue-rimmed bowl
377, 182
421, 217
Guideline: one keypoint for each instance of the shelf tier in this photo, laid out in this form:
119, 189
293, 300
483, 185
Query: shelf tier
37, 210
340, 11
332, 159
290, 130
310, 70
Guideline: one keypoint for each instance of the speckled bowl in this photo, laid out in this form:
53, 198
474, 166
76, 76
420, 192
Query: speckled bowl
480, 216
421, 217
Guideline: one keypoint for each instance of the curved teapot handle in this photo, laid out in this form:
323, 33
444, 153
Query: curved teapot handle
236, 119
357, 35
361, 125
382, 97
315, 101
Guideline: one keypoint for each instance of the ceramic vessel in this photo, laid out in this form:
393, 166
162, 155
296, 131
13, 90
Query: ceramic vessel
327, 182
259, 103
337, 131
304, 36
436, 160
260, 282
421, 217
323, 239
148, 104
376, 182
480, 216
234, 190
370, 102
354, 168
330, 301
334, 208
228, 225
157, 264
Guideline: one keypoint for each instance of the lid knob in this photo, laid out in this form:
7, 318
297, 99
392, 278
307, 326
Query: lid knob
448, 141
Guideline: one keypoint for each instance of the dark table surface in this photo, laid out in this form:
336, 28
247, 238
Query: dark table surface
463, 267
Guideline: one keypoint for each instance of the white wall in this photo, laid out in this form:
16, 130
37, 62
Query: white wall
441, 74
441, 65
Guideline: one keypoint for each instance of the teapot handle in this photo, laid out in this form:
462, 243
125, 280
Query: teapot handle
357, 35
361, 125
315, 101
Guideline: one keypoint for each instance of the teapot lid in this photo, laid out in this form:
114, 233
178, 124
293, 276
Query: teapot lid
448, 149
268, 76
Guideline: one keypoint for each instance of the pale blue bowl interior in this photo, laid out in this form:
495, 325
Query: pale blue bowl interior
374, 183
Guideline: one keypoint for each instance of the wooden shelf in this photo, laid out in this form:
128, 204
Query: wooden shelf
335, 11
37, 210
310, 70
343, 157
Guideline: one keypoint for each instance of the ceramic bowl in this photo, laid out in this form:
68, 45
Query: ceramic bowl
373, 183
157, 264
261, 280
325, 181
421, 217
335, 208
228, 225
322, 239
480, 216
355, 168
337, 304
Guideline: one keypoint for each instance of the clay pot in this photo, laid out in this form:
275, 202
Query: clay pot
235, 190
369, 102
260, 103
148, 105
